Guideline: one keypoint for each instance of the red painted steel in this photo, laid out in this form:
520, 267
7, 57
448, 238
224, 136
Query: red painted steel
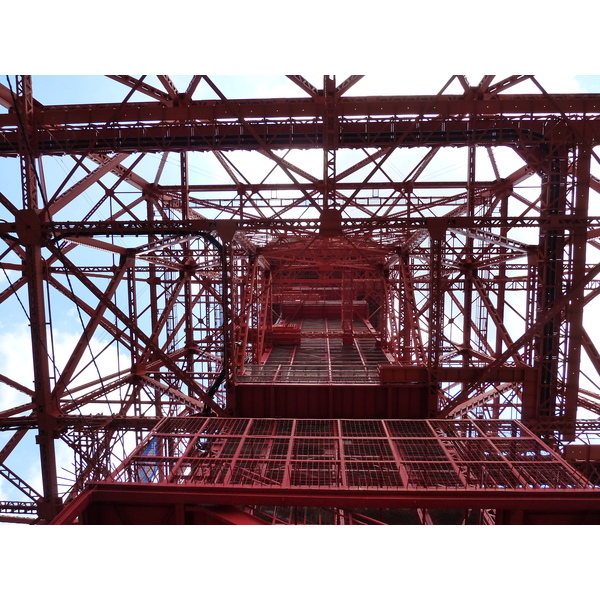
497, 466
385, 283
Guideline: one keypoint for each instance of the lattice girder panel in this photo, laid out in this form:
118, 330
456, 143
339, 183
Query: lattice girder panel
329, 463
448, 446
114, 212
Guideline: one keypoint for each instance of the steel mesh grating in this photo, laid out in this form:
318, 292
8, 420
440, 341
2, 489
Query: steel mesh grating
205, 471
431, 475
546, 475
509, 429
523, 449
315, 473
475, 450
147, 470
316, 449
265, 448
370, 428
271, 427
373, 450
491, 475
400, 454
313, 427
419, 449
409, 429
462, 428
218, 446
373, 475
224, 426
258, 473
184, 425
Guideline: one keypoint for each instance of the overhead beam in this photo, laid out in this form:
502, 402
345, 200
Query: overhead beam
66, 229
363, 121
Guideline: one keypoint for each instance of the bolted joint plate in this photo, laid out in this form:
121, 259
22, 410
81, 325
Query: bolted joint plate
29, 227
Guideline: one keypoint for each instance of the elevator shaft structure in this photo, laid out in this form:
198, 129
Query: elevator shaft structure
213, 297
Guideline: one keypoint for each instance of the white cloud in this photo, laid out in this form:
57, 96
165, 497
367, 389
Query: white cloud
15, 363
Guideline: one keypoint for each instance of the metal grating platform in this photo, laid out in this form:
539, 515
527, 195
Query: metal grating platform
344, 454
321, 357
211, 470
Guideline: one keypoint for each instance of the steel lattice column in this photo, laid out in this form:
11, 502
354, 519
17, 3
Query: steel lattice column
33, 267
436, 312
550, 273
575, 308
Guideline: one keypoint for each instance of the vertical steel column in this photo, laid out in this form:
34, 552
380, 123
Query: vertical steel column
436, 314
575, 308
531, 305
330, 129
500, 333
47, 408
399, 303
188, 269
246, 300
348, 309
414, 351
468, 266
551, 247
136, 355
153, 283
392, 316
228, 324
132, 306
265, 319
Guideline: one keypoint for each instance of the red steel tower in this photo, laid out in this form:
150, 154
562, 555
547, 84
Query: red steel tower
324, 307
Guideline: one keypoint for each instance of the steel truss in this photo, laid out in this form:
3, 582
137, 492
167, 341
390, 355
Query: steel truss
471, 294
466, 471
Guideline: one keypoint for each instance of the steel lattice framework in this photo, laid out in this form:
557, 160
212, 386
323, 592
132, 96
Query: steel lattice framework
356, 257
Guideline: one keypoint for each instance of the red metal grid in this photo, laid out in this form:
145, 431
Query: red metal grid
402, 429
312, 428
431, 475
342, 454
271, 427
316, 449
356, 428
374, 450
398, 270
315, 474
416, 449
373, 475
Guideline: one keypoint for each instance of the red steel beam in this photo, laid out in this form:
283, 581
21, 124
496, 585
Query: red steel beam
143, 494
193, 131
525, 106
89, 330
132, 325
528, 335
268, 125
66, 229
46, 407
575, 307
81, 186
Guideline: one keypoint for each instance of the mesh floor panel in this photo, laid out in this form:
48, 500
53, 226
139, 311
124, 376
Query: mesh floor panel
348, 454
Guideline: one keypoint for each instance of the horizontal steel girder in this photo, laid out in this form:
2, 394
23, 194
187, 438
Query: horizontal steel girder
450, 106
363, 122
79, 422
61, 230
142, 495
